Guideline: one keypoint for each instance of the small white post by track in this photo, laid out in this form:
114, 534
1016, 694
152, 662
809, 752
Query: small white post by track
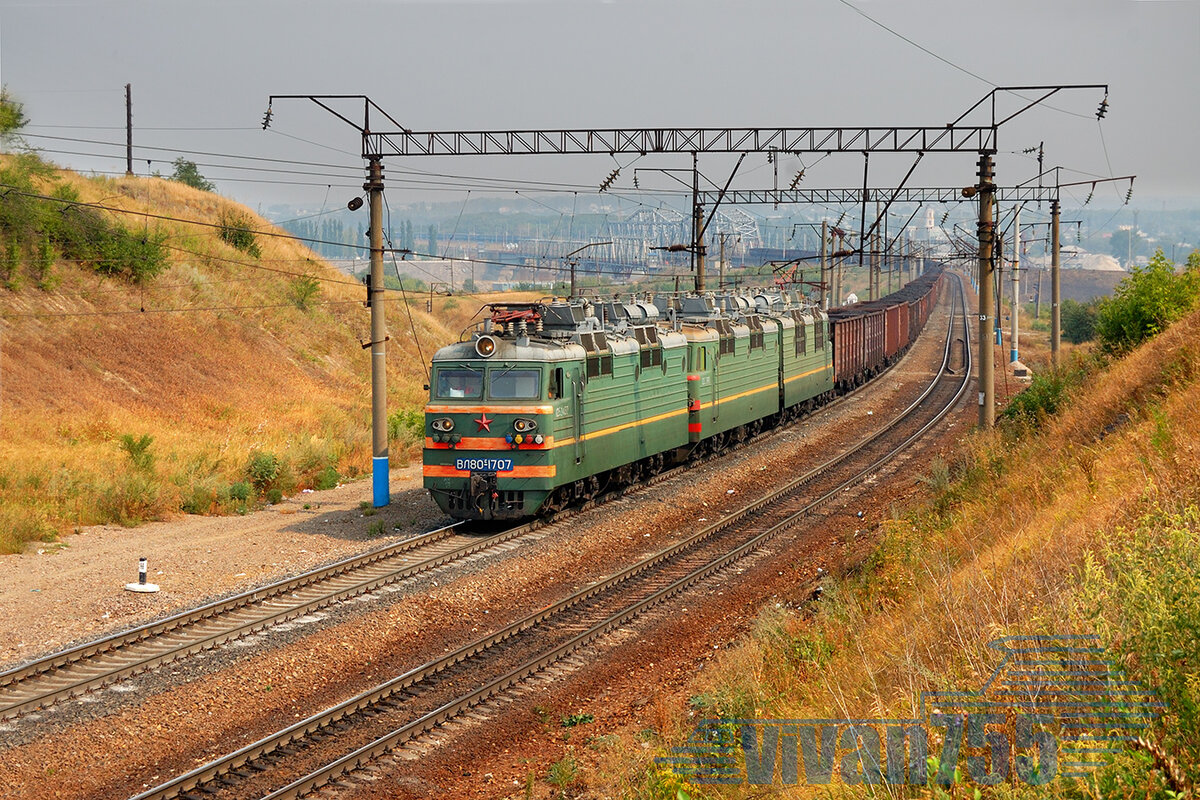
141, 585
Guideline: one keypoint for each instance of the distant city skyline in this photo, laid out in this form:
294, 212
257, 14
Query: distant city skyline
202, 73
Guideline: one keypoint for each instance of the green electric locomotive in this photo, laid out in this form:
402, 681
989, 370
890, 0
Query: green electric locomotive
553, 402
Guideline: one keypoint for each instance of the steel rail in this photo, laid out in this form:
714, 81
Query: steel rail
13, 681
245, 756
17, 697
18, 692
434, 718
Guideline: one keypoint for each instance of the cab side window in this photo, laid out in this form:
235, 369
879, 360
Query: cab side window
556, 384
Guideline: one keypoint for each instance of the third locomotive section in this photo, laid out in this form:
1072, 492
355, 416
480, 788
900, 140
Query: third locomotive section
550, 403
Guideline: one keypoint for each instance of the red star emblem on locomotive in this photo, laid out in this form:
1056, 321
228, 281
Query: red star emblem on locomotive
484, 423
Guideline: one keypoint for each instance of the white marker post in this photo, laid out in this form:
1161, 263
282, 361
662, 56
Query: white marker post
141, 585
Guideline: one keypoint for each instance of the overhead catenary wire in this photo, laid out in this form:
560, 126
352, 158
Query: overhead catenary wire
478, 181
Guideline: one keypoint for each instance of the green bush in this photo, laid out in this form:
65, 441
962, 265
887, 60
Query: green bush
407, 423
236, 231
571, 720
1078, 321
1048, 393
10, 266
40, 226
563, 773
20, 525
131, 499
1044, 396
303, 291
199, 499
262, 470
138, 450
1146, 301
327, 478
239, 491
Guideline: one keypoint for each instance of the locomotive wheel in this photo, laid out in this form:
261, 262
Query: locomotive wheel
555, 502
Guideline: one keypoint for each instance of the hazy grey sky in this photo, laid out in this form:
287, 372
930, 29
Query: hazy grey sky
210, 66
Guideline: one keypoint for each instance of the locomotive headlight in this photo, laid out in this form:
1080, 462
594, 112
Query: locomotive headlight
522, 425
443, 424
485, 345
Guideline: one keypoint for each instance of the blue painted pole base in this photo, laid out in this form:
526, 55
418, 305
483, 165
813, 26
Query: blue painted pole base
1013, 353
379, 480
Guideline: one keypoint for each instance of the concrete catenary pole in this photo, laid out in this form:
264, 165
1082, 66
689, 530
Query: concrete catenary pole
986, 376
697, 226
381, 494
824, 264
721, 265
1055, 288
1016, 289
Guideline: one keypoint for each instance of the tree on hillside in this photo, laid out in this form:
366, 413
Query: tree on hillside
433, 240
186, 172
12, 115
1146, 301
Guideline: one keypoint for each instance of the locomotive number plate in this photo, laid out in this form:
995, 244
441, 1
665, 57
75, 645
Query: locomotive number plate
484, 464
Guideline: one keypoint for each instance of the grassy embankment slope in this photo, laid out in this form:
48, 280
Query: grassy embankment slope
1088, 523
273, 368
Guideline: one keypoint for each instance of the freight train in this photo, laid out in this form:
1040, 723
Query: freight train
549, 403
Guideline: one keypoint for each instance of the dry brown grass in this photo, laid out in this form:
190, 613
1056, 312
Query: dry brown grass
82, 364
999, 552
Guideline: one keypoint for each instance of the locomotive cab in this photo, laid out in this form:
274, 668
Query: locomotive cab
490, 424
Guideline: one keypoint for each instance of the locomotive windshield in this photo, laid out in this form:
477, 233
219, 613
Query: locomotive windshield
515, 384
453, 384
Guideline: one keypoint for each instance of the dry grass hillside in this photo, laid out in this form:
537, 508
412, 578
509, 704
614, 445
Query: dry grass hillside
224, 356
1085, 522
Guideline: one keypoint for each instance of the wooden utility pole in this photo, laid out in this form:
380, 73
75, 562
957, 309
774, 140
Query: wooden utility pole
128, 131
379, 433
986, 377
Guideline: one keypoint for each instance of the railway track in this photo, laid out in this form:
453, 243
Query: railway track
92, 665
327, 746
